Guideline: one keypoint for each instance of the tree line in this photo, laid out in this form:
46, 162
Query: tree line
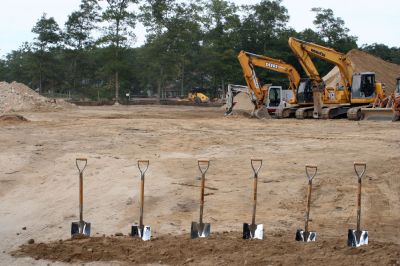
188, 44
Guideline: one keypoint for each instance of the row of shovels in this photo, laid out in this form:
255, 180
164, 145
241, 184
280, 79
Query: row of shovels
356, 237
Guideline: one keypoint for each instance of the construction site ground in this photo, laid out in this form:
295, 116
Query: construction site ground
39, 187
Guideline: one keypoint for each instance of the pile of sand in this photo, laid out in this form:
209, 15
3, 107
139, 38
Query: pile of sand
19, 97
363, 62
242, 102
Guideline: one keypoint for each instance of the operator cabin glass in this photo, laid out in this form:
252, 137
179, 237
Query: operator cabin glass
304, 92
274, 96
363, 86
398, 86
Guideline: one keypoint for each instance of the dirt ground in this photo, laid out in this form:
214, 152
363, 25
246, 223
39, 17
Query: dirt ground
39, 186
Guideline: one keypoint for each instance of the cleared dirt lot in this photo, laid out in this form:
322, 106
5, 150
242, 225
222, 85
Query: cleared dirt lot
39, 181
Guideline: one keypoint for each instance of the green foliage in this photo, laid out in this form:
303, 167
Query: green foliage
188, 44
118, 34
391, 54
48, 33
333, 30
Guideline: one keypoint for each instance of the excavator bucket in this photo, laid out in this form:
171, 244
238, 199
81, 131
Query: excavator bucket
261, 113
377, 114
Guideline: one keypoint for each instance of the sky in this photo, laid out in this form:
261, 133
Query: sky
365, 18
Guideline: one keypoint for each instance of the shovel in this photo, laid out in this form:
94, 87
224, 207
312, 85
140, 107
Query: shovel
305, 235
201, 229
357, 237
80, 228
140, 230
253, 230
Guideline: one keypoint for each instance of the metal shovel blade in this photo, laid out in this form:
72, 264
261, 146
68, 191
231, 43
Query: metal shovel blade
253, 231
357, 238
143, 232
305, 236
200, 230
80, 228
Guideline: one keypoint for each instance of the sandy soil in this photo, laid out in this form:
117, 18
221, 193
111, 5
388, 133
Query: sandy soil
39, 181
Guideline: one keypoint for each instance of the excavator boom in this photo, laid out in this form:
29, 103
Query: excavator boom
304, 50
249, 60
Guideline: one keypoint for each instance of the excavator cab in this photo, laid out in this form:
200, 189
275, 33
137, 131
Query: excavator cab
305, 92
397, 92
363, 86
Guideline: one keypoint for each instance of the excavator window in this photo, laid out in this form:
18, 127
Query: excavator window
363, 86
398, 86
304, 92
274, 97
368, 85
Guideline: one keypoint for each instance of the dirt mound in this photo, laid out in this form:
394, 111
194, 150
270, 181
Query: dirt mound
13, 118
219, 249
362, 62
242, 102
19, 97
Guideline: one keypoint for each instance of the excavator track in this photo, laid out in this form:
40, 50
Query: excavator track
354, 113
334, 112
286, 112
305, 112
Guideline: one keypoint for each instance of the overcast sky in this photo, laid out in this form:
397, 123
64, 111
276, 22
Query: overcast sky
370, 21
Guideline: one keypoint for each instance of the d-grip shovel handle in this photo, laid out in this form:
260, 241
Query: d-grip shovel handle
203, 166
80, 168
357, 167
256, 169
143, 165
308, 167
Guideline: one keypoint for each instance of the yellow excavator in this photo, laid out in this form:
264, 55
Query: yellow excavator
358, 89
259, 93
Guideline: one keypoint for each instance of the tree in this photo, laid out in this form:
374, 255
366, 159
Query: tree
174, 36
80, 25
48, 37
118, 33
218, 53
263, 24
333, 30
77, 36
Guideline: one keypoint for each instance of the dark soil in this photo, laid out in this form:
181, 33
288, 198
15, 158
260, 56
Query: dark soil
219, 249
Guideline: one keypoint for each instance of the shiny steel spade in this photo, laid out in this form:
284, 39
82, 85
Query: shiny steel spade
253, 230
357, 237
140, 230
305, 235
80, 228
201, 229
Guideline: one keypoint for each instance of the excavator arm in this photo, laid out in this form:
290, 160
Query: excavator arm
248, 61
304, 50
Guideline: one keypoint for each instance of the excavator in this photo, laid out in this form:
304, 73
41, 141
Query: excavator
358, 89
259, 93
